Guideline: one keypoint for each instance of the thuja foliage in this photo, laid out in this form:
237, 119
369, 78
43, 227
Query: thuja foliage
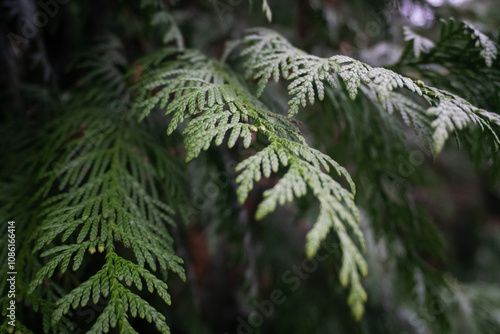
109, 193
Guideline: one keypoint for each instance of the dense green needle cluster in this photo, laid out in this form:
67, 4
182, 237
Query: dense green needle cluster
223, 105
270, 56
110, 185
108, 202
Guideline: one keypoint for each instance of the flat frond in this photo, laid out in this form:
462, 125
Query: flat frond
218, 105
267, 54
108, 193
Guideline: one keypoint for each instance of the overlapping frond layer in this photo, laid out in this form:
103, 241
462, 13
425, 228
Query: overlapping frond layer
268, 56
18, 183
104, 191
458, 39
461, 60
221, 109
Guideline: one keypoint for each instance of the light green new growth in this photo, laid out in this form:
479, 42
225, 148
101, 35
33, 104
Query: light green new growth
190, 85
187, 85
268, 55
104, 181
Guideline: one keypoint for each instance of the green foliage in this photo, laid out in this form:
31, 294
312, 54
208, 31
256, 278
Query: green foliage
453, 35
104, 190
419, 43
107, 191
460, 60
107, 195
222, 105
269, 54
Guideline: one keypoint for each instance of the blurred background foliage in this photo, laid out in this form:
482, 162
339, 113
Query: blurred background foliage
422, 216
